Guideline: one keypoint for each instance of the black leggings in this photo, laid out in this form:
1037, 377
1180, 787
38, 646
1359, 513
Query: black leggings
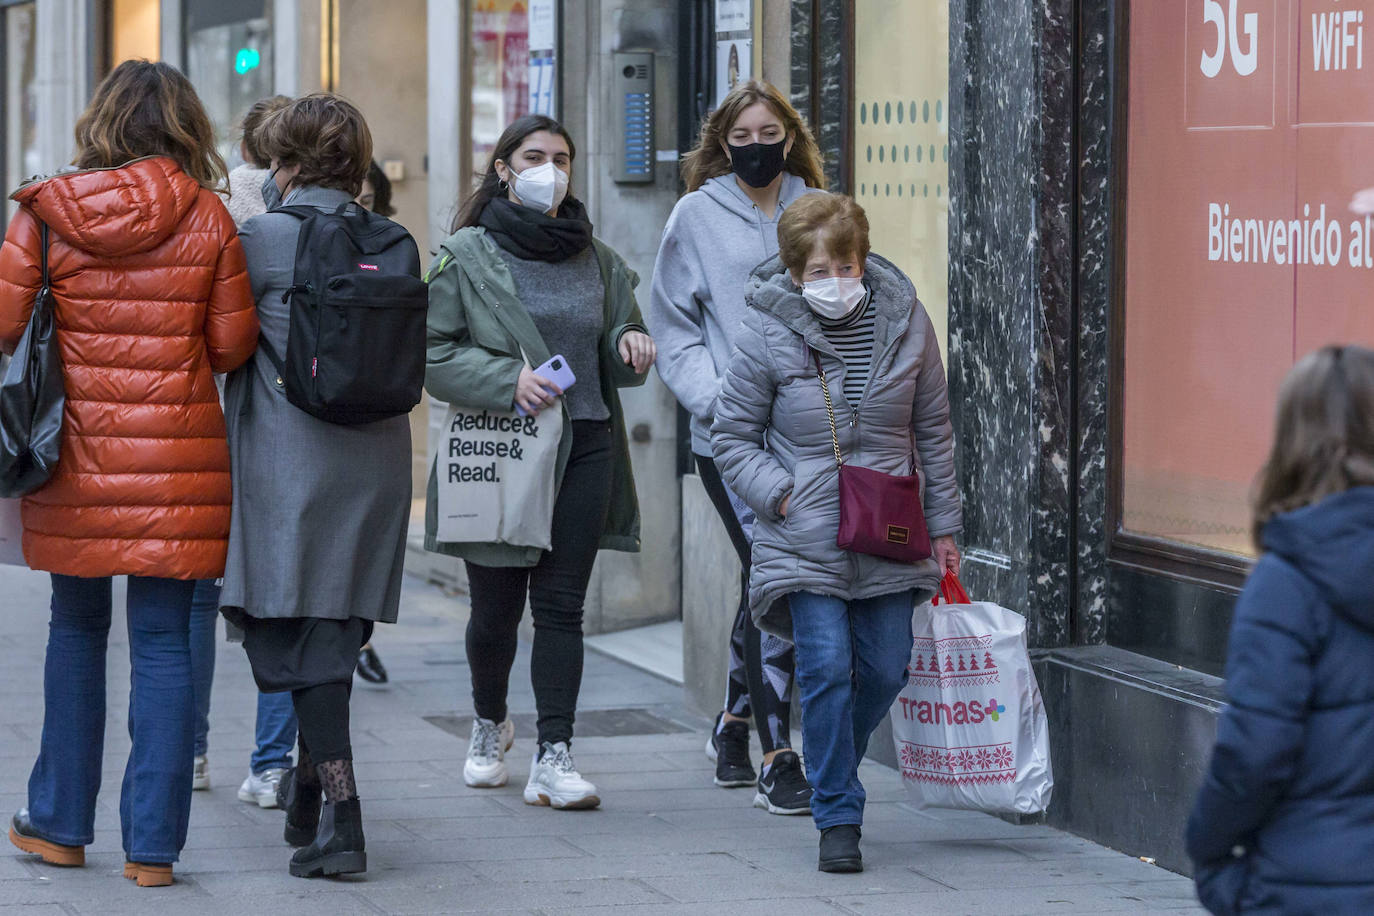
557, 588
748, 690
322, 714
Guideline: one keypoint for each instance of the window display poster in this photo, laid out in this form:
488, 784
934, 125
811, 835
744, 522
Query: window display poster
1250, 125
543, 25
734, 64
734, 15
501, 71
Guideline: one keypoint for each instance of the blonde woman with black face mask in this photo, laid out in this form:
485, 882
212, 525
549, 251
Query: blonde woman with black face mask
755, 158
522, 278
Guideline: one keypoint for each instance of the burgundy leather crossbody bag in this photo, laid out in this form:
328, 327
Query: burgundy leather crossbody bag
880, 514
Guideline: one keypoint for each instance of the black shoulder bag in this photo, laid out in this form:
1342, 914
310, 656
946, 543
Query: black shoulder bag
32, 395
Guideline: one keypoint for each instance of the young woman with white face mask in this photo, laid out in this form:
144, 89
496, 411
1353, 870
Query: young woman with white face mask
522, 277
755, 157
836, 360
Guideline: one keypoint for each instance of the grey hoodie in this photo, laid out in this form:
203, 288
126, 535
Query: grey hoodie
714, 238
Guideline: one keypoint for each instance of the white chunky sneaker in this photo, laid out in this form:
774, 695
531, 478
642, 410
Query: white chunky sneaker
200, 776
554, 780
486, 764
261, 788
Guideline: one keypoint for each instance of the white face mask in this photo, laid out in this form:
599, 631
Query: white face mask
540, 187
834, 297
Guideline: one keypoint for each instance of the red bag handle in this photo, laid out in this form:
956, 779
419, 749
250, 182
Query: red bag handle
951, 590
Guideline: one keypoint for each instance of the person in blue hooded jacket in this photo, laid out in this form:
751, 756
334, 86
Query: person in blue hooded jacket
1284, 822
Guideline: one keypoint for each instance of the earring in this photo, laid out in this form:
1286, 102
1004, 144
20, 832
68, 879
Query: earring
503, 184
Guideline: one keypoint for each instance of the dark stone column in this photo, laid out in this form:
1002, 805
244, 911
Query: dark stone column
820, 79
1012, 330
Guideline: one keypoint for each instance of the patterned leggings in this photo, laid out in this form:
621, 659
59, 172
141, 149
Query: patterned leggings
762, 666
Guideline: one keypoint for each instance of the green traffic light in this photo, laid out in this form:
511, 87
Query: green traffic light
247, 59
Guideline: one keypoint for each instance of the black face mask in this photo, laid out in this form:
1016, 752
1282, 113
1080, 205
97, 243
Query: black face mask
758, 163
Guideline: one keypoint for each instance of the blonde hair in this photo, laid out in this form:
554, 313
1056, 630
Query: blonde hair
1323, 434
834, 220
708, 159
148, 109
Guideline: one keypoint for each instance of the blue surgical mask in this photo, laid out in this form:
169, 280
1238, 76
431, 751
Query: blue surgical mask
271, 194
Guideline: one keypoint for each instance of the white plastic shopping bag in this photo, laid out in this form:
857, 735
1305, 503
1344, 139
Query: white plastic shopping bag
11, 532
494, 474
970, 726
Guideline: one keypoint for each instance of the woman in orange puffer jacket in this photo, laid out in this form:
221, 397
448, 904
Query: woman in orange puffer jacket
151, 296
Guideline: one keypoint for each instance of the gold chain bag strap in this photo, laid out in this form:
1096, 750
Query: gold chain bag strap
880, 514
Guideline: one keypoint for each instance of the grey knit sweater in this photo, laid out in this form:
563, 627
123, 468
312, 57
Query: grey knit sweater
566, 299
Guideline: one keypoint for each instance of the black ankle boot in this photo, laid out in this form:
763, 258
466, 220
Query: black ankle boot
840, 849
302, 806
339, 847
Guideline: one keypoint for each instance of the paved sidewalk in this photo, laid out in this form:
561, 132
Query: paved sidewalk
665, 841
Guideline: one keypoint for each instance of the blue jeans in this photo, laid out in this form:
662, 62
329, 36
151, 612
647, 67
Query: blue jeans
851, 664
276, 721
155, 800
204, 616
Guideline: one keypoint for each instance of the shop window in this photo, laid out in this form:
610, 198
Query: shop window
1246, 142
901, 141
229, 61
135, 30
514, 68
19, 157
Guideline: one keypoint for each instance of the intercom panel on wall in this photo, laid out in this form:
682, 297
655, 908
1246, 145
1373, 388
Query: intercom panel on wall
634, 107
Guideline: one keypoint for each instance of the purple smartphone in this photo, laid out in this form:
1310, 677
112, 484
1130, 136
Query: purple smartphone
557, 371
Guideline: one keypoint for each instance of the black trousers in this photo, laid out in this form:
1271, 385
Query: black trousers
762, 666
556, 587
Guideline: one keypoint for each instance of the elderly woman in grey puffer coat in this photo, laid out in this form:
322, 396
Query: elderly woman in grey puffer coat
848, 613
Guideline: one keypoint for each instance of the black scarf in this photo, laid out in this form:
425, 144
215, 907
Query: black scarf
534, 236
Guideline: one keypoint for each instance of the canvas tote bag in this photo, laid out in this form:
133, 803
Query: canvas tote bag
494, 471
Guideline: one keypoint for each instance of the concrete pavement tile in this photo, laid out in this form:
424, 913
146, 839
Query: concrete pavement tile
1015, 902
692, 796
729, 889
555, 895
460, 807
1179, 891
794, 907
45, 909
552, 823
314, 899
710, 865
500, 849
699, 841
1058, 847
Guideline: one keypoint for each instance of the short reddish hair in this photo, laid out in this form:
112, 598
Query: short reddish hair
834, 220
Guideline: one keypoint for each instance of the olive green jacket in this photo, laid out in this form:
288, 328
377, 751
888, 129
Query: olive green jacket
477, 330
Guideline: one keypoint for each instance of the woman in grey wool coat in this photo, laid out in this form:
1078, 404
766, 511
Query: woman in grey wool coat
849, 614
320, 510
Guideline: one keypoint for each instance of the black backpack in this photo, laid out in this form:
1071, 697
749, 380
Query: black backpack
355, 352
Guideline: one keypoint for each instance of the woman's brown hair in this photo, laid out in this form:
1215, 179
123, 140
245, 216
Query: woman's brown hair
833, 219
252, 124
148, 109
489, 182
708, 159
326, 135
1324, 434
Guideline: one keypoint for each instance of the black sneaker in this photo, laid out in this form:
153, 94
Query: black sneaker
783, 788
729, 748
840, 849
